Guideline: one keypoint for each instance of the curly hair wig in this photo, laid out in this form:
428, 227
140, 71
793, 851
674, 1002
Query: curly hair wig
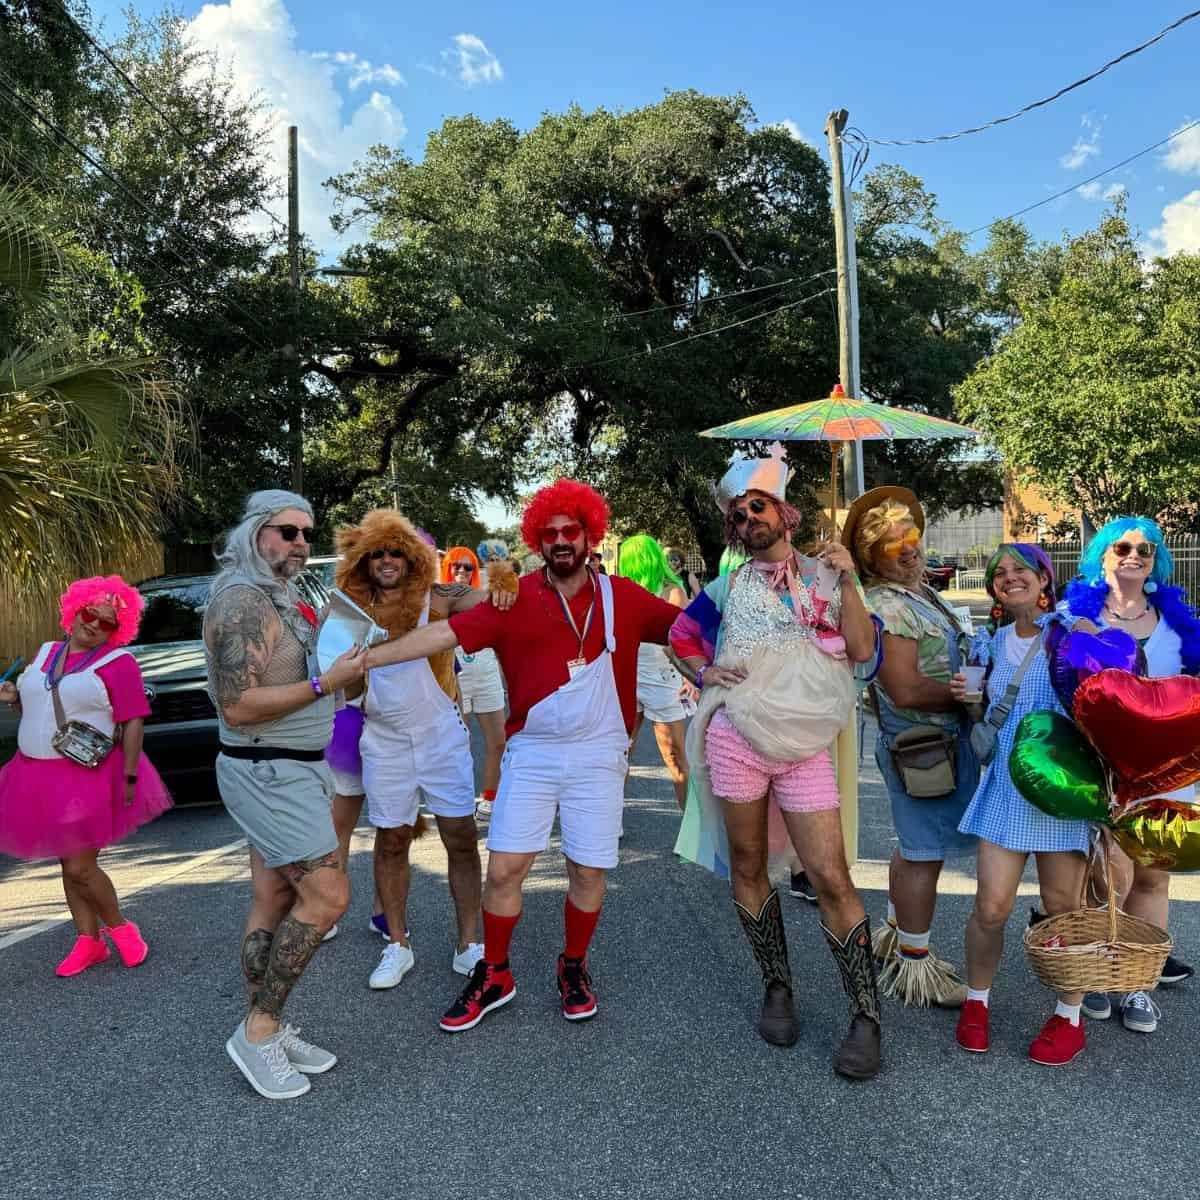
570, 498
124, 599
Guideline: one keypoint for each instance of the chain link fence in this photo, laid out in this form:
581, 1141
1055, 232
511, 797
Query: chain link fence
1185, 551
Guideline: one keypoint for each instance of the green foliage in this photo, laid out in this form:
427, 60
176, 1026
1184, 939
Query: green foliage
1092, 396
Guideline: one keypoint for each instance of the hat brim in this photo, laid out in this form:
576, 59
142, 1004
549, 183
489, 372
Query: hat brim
872, 499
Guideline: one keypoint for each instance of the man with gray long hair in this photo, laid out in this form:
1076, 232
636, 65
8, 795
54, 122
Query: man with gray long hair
275, 712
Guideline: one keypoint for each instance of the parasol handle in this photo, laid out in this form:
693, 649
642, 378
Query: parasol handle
835, 450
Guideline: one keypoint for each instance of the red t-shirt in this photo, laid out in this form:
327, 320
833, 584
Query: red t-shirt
534, 642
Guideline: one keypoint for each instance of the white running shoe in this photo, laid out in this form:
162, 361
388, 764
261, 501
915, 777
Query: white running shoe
331, 932
1140, 1013
266, 1066
464, 963
394, 963
304, 1056
483, 808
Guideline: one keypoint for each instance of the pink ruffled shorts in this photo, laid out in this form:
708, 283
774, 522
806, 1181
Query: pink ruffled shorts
740, 774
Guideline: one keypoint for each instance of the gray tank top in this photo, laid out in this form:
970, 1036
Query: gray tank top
294, 660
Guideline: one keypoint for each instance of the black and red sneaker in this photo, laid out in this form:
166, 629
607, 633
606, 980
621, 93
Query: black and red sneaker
575, 988
490, 986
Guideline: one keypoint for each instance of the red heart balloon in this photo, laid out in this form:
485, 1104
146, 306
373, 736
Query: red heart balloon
1148, 730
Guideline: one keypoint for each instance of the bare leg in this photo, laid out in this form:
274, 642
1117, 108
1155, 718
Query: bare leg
585, 886
1060, 877
999, 876
92, 885
492, 726
392, 877
505, 875
914, 892
746, 825
271, 898
346, 812
1150, 896
670, 737
86, 921
818, 837
465, 871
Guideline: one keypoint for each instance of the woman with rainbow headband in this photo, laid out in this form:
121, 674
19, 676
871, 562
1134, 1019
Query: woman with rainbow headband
53, 807
659, 685
480, 688
1020, 580
1122, 584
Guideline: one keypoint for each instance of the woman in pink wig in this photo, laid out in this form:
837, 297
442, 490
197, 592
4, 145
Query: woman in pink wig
52, 806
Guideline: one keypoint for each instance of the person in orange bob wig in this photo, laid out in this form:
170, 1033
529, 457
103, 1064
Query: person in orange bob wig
460, 566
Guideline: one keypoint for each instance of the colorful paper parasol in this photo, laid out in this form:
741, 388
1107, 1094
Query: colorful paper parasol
838, 419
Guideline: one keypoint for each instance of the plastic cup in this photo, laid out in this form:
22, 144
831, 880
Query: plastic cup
974, 683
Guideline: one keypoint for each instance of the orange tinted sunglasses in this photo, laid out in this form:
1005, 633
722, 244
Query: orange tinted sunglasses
897, 546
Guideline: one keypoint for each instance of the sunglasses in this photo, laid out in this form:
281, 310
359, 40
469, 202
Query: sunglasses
567, 532
376, 555
289, 533
89, 616
1144, 549
740, 515
462, 566
897, 546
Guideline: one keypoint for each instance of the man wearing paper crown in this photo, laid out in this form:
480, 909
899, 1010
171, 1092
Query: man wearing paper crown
574, 635
414, 744
772, 646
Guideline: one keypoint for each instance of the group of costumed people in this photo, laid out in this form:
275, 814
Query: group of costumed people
769, 656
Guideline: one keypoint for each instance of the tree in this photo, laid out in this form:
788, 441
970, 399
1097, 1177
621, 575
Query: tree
1092, 396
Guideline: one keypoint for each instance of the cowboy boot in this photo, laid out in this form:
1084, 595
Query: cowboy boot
858, 1056
768, 941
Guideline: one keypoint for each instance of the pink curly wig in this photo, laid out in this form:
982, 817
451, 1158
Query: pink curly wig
568, 497
112, 590
457, 554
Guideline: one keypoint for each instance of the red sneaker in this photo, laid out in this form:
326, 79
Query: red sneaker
488, 988
575, 988
972, 1031
1059, 1043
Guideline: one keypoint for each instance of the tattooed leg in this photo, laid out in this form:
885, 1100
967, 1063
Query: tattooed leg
256, 954
294, 944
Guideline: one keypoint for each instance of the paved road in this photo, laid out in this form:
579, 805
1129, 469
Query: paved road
115, 1084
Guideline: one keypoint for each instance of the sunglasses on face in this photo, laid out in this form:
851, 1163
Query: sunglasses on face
567, 532
89, 616
464, 567
376, 555
910, 541
1124, 549
289, 533
757, 507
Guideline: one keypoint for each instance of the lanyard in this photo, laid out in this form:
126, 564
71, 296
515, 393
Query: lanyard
61, 655
587, 621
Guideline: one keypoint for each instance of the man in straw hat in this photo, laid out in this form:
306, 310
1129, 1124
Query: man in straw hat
923, 749
772, 646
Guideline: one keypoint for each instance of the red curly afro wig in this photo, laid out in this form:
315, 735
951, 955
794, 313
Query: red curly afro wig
568, 497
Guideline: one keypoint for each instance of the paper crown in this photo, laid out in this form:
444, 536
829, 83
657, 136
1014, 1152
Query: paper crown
746, 474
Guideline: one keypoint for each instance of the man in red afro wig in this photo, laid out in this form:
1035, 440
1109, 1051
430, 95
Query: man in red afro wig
572, 499
568, 648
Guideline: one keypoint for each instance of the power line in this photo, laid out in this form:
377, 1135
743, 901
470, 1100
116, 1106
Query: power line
1070, 87
148, 100
763, 287
1084, 182
695, 337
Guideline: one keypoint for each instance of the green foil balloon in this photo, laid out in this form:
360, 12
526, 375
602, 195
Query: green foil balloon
1056, 770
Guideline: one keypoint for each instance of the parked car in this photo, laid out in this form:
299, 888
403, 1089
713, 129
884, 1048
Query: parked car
939, 571
181, 732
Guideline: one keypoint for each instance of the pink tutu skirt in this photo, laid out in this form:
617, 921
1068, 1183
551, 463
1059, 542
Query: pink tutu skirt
54, 808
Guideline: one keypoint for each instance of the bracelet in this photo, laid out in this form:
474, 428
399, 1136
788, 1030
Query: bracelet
700, 675
131, 779
315, 684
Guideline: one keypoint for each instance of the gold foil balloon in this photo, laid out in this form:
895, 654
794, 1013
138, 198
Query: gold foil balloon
1161, 833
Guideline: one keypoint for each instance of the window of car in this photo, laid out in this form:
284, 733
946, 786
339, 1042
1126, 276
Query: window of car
173, 613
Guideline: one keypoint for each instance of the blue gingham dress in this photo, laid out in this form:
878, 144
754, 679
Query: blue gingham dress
998, 812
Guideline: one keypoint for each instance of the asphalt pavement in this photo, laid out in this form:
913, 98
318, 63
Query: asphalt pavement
116, 1083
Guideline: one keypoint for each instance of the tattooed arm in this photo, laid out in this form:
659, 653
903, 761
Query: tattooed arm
241, 631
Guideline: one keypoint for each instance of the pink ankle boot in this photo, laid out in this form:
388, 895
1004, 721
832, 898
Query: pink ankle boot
87, 952
130, 944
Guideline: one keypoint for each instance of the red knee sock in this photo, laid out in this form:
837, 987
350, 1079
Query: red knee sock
488, 794
580, 926
497, 933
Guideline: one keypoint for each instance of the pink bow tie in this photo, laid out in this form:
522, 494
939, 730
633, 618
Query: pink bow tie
781, 577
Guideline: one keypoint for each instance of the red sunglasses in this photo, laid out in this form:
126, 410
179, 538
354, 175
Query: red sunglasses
89, 616
567, 532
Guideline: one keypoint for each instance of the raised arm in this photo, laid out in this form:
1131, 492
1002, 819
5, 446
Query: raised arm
421, 643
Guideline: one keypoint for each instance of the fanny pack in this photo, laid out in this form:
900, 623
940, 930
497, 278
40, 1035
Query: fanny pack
984, 735
77, 740
926, 759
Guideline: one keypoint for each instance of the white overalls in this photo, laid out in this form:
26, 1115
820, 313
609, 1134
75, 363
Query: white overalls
570, 757
413, 743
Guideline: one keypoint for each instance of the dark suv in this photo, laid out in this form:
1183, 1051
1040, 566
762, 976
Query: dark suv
181, 731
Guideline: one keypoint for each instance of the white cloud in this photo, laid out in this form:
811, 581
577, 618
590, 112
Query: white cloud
1087, 145
1095, 190
1180, 228
256, 41
789, 126
360, 71
1183, 154
473, 62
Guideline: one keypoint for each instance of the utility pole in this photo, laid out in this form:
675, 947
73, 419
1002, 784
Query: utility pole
847, 266
295, 390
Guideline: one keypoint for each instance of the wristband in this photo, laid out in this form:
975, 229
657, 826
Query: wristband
315, 684
131, 779
700, 676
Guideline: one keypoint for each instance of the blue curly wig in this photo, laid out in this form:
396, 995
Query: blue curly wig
1086, 593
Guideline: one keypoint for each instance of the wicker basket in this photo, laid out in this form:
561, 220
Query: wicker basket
1102, 950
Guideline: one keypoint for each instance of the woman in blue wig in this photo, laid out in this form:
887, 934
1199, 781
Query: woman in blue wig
1123, 584
659, 685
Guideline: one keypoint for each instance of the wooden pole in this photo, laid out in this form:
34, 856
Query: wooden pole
295, 390
833, 488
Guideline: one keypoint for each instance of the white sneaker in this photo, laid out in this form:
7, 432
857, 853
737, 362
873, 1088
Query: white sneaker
331, 933
266, 1066
304, 1056
483, 808
1140, 1013
394, 963
464, 963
